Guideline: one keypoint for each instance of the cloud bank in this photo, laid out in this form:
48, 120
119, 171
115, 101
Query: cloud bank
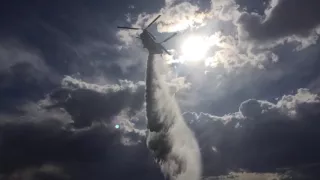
90, 102
262, 136
42, 143
282, 19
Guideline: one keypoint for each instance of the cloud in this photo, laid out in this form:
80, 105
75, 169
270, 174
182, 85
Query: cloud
38, 136
24, 75
87, 102
249, 37
175, 16
180, 17
229, 50
112, 103
250, 176
281, 22
12, 52
284, 18
262, 136
47, 171
297, 106
35, 112
74, 42
225, 10
92, 152
232, 54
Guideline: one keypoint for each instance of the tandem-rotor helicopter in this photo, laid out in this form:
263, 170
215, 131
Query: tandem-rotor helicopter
148, 40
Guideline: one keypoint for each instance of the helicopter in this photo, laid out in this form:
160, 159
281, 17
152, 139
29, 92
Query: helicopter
149, 41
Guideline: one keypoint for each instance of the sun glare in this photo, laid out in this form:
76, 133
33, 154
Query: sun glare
194, 48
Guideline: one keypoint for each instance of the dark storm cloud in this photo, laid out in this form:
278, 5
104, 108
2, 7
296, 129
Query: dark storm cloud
95, 152
74, 37
262, 136
284, 18
44, 136
89, 102
48, 172
24, 76
20, 84
257, 6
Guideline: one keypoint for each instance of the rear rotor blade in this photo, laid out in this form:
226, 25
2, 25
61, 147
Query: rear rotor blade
153, 21
121, 27
165, 50
168, 38
154, 38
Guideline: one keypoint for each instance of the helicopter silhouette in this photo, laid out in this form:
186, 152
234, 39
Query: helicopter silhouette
149, 41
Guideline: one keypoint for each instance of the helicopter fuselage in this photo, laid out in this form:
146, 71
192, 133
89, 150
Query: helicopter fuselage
148, 42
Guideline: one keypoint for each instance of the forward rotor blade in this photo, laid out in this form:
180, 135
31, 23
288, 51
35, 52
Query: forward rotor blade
168, 38
153, 21
121, 27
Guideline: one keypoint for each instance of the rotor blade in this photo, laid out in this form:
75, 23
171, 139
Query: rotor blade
168, 38
153, 21
164, 49
121, 27
154, 38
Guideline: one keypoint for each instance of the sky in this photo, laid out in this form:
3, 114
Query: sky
243, 72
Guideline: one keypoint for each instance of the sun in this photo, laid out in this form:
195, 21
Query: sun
194, 48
